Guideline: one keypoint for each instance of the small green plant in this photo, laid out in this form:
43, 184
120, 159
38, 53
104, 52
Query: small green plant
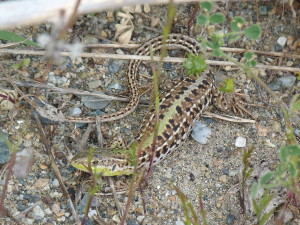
22, 64
287, 173
195, 64
260, 207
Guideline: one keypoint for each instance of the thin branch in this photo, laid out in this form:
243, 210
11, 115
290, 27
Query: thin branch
145, 58
225, 49
227, 118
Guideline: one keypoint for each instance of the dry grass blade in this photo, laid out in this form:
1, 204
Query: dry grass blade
145, 58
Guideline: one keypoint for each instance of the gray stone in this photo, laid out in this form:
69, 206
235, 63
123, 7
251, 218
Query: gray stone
94, 102
287, 81
230, 219
90, 40
278, 48
75, 111
38, 213
113, 68
263, 10
4, 150
275, 86
94, 84
116, 86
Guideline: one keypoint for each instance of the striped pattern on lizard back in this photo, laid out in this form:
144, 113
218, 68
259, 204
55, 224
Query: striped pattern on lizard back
179, 107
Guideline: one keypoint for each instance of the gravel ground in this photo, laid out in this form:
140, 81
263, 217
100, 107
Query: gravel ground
214, 167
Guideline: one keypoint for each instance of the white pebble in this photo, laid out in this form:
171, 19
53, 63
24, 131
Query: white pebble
282, 40
91, 213
200, 132
240, 142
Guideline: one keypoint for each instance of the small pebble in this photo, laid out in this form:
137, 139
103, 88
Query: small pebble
55, 183
132, 222
41, 183
275, 86
169, 174
48, 211
225, 171
289, 63
75, 111
200, 132
140, 218
230, 219
263, 10
115, 85
94, 102
269, 144
240, 142
192, 177
287, 81
223, 179
52, 78
278, 48
262, 131
38, 213
4, 150
94, 84
92, 212
90, 40
113, 68
282, 41
55, 208
179, 222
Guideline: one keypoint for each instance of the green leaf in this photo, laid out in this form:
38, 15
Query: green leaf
253, 32
227, 86
234, 38
195, 64
217, 52
254, 190
207, 6
10, 36
294, 149
202, 20
237, 23
248, 55
283, 154
265, 200
266, 178
256, 207
253, 63
292, 170
296, 106
217, 18
265, 217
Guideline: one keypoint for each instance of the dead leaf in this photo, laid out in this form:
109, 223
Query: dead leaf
121, 28
126, 36
147, 8
125, 15
154, 21
138, 9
